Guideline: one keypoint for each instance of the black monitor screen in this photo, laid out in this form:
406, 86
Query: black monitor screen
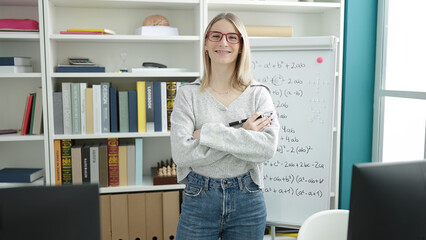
50, 213
388, 201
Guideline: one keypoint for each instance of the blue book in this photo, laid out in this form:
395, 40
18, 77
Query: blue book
157, 106
79, 68
138, 161
23, 175
113, 105
15, 61
133, 112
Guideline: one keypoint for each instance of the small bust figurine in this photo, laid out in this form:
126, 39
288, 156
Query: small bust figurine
155, 20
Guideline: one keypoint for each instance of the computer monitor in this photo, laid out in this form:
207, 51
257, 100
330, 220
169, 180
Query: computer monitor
50, 213
388, 201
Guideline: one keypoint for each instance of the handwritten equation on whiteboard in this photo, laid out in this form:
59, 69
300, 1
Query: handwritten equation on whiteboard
302, 89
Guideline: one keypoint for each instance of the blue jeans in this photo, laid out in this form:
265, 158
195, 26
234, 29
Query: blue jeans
229, 209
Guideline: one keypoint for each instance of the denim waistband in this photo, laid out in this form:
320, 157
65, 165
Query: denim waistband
208, 182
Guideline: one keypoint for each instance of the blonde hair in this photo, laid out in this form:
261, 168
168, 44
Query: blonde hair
241, 77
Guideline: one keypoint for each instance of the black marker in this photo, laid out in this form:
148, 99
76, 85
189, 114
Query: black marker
267, 114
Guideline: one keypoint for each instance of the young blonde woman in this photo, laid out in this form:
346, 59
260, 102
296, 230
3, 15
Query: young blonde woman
222, 165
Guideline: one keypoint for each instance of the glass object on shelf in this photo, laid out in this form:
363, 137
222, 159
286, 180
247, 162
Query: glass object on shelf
123, 66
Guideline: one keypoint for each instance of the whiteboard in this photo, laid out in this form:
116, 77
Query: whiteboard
301, 74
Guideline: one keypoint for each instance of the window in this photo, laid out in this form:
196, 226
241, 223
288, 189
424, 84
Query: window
400, 91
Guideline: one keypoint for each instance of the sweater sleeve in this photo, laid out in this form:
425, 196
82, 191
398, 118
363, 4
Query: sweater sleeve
245, 144
187, 151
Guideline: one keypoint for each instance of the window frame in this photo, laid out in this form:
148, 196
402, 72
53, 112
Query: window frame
380, 92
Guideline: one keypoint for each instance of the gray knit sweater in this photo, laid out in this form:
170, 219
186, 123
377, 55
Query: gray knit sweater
221, 151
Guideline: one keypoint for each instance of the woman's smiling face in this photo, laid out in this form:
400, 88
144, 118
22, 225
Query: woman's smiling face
223, 52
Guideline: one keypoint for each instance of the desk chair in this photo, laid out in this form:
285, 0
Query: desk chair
325, 225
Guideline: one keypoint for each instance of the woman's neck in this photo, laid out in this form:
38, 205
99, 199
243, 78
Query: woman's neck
221, 77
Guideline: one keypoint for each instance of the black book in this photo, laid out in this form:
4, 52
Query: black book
85, 163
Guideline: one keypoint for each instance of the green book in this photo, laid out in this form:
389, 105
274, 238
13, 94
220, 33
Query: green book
32, 113
123, 111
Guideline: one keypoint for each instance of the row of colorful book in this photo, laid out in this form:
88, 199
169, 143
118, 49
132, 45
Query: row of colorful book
15, 65
32, 122
107, 164
101, 108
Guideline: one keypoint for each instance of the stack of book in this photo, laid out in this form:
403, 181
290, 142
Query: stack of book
80, 68
92, 31
32, 121
15, 65
22, 175
80, 65
18, 25
101, 108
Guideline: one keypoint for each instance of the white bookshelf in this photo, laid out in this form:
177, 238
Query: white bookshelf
49, 48
123, 17
18, 150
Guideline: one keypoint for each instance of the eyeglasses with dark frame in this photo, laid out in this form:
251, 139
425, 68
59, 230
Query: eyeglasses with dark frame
216, 36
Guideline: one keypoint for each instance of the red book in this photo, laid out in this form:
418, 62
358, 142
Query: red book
18, 24
27, 115
113, 174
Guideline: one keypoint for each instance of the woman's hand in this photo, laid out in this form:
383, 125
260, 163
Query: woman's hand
255, 124
196, 134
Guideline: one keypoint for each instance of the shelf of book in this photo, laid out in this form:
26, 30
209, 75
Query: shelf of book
146, 186
19, 36
23, 150
38, 182
123, 38
20, 75
114, 135
273, 6
19, 137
